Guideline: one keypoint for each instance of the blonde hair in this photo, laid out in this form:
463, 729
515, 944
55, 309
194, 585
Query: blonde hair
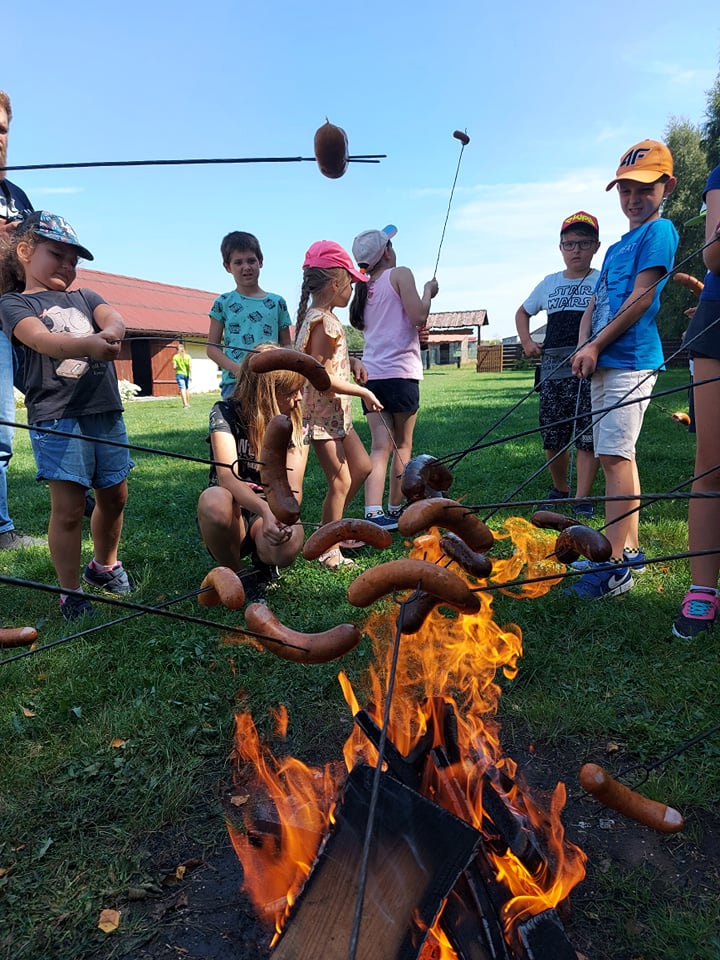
314, 279
257, 394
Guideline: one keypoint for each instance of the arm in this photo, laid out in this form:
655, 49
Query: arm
641, 297
416, 307
711, 255
522, 325
224, 450
322, 347
63, 346
285, 339
110, 322
215, 351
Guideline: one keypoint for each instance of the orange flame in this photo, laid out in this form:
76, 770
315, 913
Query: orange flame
449, 665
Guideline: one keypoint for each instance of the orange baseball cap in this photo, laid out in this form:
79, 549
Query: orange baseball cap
645, 162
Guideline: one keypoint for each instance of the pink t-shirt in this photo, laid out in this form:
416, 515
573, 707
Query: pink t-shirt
392, 347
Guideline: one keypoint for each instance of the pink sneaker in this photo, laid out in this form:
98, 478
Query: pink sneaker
698, 614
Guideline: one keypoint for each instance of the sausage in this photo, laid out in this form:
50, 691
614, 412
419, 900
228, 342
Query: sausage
17, 636
584, 540
681, 417
283, 358
451, 515
565, 551
462, 137
476, 564
606, 790
273, 468
416, 610
692, 283
551, 521
331, 150
423, 472
225, 587
381, 580
299, 647
337, 530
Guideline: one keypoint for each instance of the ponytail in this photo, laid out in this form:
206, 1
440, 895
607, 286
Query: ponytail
357, 306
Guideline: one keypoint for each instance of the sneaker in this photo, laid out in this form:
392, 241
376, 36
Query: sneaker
394, 514
384, 521
113, 581
16, 540
74, 607
635, 559
602, 580
698, 614
257, 581
551, 498
583, 510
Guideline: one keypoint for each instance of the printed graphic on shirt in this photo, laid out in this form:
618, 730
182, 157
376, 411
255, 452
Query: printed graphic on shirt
71, 321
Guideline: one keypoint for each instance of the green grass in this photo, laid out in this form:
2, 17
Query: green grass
78, 816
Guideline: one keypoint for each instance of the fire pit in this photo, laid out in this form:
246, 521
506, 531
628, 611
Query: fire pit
463, 864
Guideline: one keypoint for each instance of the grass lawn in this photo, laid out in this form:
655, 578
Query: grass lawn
112, 739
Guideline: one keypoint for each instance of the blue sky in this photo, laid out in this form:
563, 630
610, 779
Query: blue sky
550, 98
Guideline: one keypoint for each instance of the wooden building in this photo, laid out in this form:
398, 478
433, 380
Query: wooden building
157, 317
454, 337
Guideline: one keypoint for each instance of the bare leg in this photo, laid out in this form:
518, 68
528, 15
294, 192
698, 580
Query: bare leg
106, 522
704, 515
559, 469
67, 508
221, 525
185, 398
403, 427
587, 468
621, 479
381, 431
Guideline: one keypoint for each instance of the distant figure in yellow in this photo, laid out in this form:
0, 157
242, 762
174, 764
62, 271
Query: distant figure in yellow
182, 363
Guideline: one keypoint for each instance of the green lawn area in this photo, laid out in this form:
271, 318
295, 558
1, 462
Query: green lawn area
78, 815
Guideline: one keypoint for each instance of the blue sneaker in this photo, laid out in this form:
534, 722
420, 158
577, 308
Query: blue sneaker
635, 559
602, 580
383, 520
583, 510
112, 581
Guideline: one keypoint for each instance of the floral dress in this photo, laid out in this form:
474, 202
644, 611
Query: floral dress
326, 416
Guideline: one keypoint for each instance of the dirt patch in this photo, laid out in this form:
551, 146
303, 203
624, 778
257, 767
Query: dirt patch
205, 915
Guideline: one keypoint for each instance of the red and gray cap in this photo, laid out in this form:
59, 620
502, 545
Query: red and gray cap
369, 245
53, 227
580, 219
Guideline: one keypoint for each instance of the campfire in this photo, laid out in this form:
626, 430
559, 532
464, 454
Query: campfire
462, 863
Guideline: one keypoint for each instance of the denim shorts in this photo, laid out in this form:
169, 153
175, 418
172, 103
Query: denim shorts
615, 433
182, 380
84, 461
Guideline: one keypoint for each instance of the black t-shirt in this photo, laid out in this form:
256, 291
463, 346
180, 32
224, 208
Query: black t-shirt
226, 417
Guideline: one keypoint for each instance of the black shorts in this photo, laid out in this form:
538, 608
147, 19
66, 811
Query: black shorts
397, 395
565, 398
705, 338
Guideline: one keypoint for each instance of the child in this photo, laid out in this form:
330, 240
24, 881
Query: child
699, 610
182, 364
390, 313
564, 296
624, 352
69, 341
328, 276
247, 315
233, 515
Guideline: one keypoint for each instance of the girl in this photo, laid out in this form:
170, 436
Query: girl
69, 341
233, 516
328, 276
391, 314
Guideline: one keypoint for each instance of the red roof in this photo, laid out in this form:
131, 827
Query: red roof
152, 307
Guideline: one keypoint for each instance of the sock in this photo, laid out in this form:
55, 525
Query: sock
64, 596
103, 567
615, 560
374, 511
712, 590
394, 510
631, 552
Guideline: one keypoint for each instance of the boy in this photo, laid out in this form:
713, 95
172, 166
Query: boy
69, 340
248, 315
625, 352
564, 296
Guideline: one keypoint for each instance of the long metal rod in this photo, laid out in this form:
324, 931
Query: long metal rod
356, 158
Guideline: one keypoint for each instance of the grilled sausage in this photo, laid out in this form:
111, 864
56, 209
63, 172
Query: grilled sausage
462, 137
449, 514
273, 468
692, 283
476, 564
416, 610
225, 587
331, 150
295, 646
17, 636
283, 358
337, 530
606, 790
584, 540
410, 574
549, 520
421, 473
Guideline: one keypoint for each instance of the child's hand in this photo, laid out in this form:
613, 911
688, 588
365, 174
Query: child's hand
585, 361
372, 402
358, 371
531, 348
275, 533
432, 287
102, 346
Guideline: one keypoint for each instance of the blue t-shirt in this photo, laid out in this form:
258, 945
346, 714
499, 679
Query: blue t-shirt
248, 322
711, 291
650, 245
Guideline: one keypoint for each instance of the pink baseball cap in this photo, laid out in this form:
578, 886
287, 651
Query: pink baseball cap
328, 254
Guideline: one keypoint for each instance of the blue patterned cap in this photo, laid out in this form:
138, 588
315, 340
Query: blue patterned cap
53, 227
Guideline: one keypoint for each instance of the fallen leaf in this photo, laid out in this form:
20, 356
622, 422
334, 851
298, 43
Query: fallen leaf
118, 743
611, 747
28, 713
180, 871
109, 920
239, 801
4, 871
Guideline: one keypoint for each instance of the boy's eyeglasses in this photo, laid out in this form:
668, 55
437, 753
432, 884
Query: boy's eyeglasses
580, 244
